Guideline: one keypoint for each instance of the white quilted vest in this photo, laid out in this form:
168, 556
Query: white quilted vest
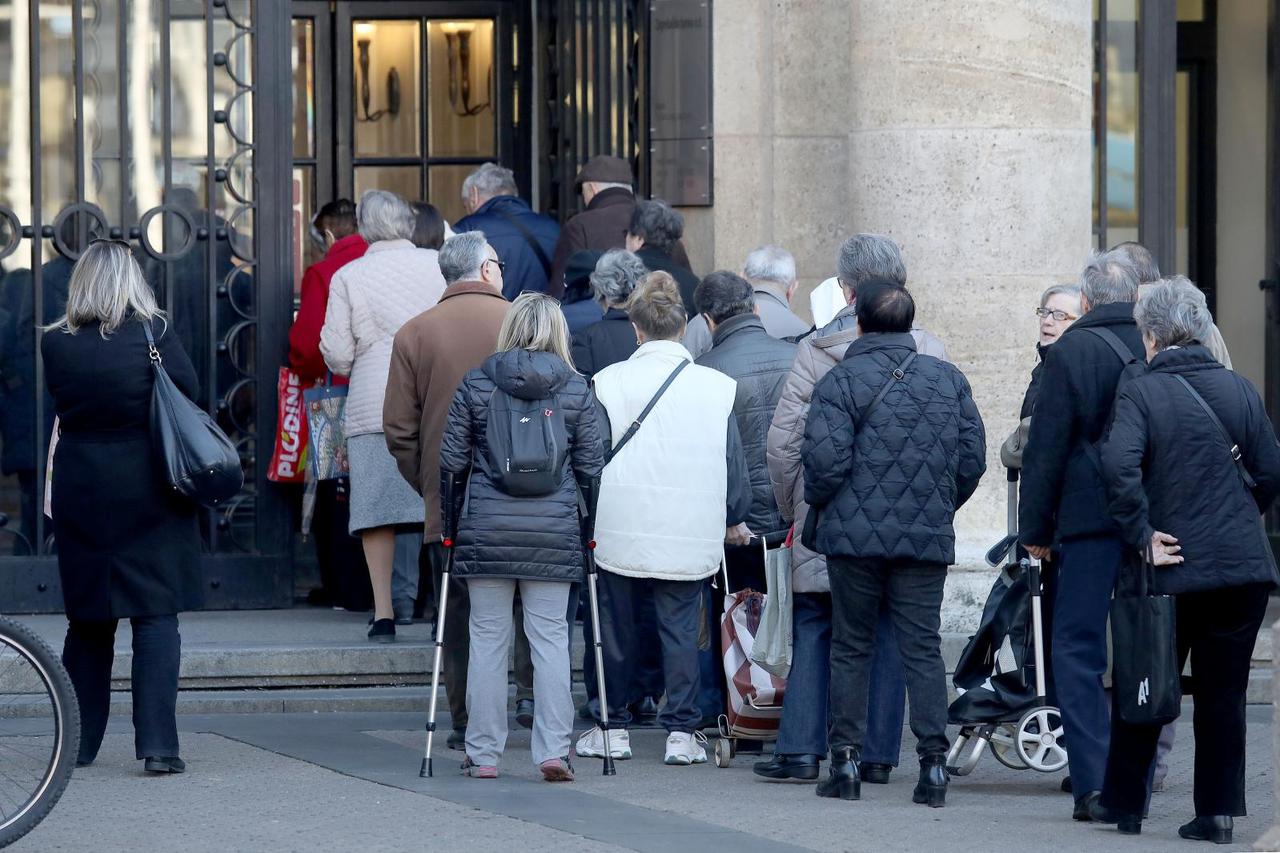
662, 499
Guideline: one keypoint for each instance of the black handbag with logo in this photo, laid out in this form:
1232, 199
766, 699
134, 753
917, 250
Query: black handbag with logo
198, 459
1145, 674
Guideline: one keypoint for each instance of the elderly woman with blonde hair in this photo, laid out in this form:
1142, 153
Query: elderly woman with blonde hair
526, 538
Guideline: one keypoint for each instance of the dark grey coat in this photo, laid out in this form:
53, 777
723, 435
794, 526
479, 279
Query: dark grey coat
500, 535
890, 487
760, 363
1168, 468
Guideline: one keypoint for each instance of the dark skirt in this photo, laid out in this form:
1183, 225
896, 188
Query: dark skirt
127, 544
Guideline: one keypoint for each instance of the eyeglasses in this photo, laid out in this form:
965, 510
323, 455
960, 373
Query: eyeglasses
501, 266
1060, 316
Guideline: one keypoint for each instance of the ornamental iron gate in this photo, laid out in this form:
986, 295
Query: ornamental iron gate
135, 120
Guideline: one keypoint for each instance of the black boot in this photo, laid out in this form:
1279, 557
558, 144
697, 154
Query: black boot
1215, 828
1126, 824
842, 781
932, 787
801, 767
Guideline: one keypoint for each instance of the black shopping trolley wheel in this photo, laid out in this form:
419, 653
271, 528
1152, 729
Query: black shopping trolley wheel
1039, 739
1004, 746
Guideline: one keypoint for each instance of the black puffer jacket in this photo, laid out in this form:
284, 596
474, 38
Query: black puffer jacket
744, 351
1062, 494
890, 487
1168, 468
501, 536
605, 342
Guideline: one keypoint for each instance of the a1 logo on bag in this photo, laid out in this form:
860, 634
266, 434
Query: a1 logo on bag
527, 443
1144, 691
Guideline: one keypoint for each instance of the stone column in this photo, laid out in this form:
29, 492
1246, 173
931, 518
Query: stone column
962, 130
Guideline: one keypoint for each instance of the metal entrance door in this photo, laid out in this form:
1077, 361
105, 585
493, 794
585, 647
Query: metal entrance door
140, 119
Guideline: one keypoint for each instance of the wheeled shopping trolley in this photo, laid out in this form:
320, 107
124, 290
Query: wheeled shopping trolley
1001, 673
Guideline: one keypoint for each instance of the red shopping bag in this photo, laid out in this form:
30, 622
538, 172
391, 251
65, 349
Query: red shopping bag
289, 458
755, 695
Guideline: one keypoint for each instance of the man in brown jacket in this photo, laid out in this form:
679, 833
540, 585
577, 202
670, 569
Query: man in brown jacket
605, 184
430, 355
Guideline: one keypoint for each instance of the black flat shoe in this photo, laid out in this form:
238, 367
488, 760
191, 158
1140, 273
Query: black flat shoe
383, 631
1065, 787
165, 764
646, 710
524, 713
842, 780
875, 774
802, 768
1081, 811
457, 739
1215, 828
1127, 824
931, 790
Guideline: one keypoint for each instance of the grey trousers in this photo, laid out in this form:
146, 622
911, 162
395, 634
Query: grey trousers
492, 628
404, 570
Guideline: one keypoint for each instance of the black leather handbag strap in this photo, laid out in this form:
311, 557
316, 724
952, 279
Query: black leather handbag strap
532, 241
1113, 340
152, 350
1226, 436
635, 425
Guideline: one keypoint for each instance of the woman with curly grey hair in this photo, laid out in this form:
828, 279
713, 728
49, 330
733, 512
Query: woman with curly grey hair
1191, 462
611, 339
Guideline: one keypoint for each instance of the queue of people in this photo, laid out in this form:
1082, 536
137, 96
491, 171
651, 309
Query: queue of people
671, 425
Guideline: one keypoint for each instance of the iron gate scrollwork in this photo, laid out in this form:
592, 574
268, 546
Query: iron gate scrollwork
138, 122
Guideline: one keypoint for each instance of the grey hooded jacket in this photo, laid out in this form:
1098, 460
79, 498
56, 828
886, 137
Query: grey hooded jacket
816, 355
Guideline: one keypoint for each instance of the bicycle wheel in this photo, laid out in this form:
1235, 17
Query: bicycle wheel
39, 730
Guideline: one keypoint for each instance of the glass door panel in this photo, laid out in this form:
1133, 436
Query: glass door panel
460, 88
387, 90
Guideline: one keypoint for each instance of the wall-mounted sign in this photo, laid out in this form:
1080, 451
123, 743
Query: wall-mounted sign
680, 124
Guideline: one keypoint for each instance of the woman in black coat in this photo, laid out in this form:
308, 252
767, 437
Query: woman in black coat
533, 542
128, 545
1175, 488
611, 339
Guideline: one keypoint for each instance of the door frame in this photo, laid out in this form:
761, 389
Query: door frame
345, 11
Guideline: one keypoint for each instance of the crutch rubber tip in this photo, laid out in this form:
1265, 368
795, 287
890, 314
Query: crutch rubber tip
425, 771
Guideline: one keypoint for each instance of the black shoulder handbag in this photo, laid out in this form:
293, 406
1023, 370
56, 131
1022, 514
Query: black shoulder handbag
198, 459
809, 535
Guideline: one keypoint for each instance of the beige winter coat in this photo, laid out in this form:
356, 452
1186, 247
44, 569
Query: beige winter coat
817, 354
369, 300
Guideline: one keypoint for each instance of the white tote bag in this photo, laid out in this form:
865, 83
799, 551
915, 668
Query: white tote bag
772, 648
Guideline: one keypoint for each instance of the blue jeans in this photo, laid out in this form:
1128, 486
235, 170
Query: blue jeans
1086, 576
803, 730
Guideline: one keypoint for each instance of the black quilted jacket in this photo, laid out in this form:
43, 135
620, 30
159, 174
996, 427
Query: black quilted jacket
890, 487
502, 536
760, 363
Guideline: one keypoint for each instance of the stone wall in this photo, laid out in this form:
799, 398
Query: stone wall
962, 130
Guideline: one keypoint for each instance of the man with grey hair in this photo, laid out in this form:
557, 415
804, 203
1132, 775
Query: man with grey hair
429, 356
610, 339
1063, 500
771, 270
523, 239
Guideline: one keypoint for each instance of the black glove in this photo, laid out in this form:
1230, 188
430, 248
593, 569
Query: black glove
590, 497
453, 492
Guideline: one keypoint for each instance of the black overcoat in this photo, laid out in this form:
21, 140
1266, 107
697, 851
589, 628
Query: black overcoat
128, 545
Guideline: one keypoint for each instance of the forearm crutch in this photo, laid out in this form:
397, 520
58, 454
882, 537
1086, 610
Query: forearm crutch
441, 610
609, 769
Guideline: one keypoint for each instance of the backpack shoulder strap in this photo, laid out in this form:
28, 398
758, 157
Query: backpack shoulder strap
1222, 430
635, 425
1113, 340
543, 260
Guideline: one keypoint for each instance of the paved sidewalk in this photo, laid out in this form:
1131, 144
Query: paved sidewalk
307, 782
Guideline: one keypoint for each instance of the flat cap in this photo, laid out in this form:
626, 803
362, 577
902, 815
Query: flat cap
605, 169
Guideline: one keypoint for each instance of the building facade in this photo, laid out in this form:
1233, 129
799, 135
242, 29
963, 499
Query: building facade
997, 141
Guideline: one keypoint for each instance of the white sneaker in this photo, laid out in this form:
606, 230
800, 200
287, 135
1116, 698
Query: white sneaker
684, 748
591, 744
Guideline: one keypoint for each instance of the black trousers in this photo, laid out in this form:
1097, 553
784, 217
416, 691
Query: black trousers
1217, 628
913, 592
157, 650
647, 673
676, 604
457, 633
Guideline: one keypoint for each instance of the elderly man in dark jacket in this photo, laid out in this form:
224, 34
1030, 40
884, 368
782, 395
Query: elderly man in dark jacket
605, 184
1176, 487
893, 446
523, 239
1063, 499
